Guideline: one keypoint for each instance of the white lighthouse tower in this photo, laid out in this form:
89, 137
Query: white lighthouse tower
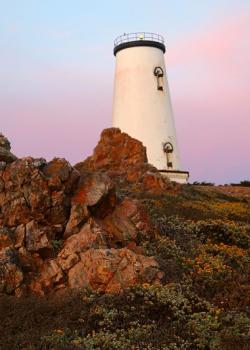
141, 105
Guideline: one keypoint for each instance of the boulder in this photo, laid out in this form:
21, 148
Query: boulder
25, 195
79, 213
50, 275
6, 238
64, 227
155, 182
19, 236
91, 235
5, 155
116, 151
38, 236
112, 270
29, 261
4, 142
116, 154
124, 159
92, 189
2, 166
128, 222
27, 192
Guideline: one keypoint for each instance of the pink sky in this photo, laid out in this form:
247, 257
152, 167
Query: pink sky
212, 100
61, 110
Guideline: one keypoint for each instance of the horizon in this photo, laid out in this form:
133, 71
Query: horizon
57, 71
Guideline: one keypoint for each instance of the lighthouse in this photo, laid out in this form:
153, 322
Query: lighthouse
141, 102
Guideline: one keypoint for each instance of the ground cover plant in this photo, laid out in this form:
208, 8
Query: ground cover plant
201, 242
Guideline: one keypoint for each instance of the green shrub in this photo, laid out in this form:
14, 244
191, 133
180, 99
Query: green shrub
223, 231
244, 183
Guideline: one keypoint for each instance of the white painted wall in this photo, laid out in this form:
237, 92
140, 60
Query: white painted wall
139, 109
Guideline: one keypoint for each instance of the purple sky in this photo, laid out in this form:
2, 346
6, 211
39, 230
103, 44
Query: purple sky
56, 78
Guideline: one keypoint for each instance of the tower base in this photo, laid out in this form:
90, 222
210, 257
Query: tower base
176, 175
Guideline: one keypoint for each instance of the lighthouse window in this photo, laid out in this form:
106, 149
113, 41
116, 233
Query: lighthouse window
168, 149
158, 73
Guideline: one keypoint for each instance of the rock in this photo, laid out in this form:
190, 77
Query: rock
6, 238
78, 215
58, 168
4, 142
30, 262
1, 185
112, 270
11, 275
58, 213
39, 163
67, 261
16, 212
27, 195
60, 173
38, 236
19, 236
2, 165
128, 222
115, 153
91, 190
50, 275
154, 182
65, 227
91, 235
6, 156
124, 159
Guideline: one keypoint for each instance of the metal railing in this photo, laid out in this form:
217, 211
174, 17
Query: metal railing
125, 38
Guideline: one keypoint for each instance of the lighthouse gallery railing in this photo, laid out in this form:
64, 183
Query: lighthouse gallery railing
125, 38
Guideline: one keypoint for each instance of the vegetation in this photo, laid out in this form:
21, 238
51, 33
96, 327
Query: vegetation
203, 183
245, 183
202, 244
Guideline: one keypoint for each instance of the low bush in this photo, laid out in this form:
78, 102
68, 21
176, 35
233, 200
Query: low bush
201, 242
153, 317
203, 183
244, 183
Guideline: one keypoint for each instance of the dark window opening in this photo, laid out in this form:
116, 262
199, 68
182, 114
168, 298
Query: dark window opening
158, 73
168, 149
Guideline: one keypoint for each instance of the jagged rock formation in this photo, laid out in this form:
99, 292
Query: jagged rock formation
67, 227
5, 155
124, 160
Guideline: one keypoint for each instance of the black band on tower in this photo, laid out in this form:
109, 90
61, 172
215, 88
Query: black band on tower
135, 43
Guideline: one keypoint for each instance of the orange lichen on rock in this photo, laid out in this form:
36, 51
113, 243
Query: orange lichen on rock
66, 227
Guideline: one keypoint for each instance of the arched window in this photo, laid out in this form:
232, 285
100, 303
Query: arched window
169, 149
158, 72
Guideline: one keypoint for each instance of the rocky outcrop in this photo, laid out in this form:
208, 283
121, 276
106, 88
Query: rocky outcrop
111, 270
10, 270
76, 227
92, 189
115, 153
128, 222
5, 155
31, 190
124, 159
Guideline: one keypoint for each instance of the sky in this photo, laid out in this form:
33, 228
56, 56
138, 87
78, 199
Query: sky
57, 72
